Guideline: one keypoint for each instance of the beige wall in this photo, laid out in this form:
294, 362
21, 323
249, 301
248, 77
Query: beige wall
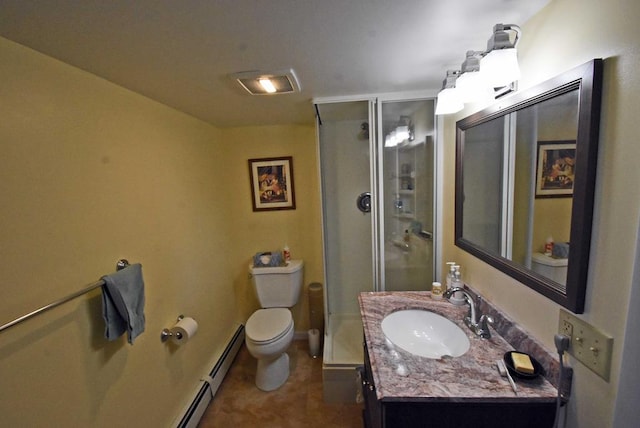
90, 173
565, 34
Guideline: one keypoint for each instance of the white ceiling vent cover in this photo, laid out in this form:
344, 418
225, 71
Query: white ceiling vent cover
284, 82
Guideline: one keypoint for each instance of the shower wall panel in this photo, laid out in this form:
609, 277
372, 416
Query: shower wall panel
345, 159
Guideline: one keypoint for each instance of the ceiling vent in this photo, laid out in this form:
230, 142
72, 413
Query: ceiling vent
268, 83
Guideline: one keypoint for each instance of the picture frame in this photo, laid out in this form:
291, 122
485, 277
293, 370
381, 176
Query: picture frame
555, 169
272, 184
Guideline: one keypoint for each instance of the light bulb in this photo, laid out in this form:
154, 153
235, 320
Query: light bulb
500, 67
473, 88
449, 101
402, 133
267, 85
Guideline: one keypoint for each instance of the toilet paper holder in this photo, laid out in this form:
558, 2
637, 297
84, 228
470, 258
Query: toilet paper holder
166, 333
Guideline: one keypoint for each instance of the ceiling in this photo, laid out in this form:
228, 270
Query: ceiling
181, 53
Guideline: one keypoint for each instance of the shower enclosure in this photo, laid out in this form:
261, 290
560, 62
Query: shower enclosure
377, 166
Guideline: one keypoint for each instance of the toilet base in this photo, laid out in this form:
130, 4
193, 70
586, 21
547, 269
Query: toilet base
272, 374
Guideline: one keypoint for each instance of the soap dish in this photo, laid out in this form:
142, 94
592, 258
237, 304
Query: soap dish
537, 367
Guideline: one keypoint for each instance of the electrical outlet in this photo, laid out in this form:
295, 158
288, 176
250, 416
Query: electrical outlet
589, 345
566, 328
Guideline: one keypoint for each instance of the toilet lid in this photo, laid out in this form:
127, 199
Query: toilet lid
267, 324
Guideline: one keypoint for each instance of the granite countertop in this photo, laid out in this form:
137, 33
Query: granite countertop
472, 377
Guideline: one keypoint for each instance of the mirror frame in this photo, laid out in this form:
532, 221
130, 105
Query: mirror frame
587, 79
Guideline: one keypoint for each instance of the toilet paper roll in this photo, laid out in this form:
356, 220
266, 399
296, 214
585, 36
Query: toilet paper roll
184, 330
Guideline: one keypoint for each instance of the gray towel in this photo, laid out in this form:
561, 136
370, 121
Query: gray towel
123, 303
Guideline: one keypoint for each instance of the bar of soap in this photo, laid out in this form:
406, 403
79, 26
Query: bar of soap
522, 363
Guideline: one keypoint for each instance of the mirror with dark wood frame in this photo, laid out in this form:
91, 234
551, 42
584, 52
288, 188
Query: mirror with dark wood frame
525, 177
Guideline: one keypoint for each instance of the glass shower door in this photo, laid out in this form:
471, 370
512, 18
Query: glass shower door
345, 147
407, 130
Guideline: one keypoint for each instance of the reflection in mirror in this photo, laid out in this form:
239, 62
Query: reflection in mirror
525, 176
545, 142
483, 185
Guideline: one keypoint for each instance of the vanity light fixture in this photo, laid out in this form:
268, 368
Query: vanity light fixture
499, 64
390, 140
472, 84
268, 83
449, 99
483, 73
404, 129
402, 132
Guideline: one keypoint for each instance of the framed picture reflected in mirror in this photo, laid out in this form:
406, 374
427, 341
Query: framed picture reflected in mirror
555, 172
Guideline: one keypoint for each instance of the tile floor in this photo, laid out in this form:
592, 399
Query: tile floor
298, 403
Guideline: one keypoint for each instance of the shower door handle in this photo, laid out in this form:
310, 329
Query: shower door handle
364, 202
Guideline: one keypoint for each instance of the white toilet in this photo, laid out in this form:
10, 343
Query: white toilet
269, 331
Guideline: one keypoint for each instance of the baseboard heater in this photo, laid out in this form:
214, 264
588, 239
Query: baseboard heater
208, 389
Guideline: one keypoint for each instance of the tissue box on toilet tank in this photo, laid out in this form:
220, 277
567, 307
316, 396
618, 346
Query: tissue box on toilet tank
561, 250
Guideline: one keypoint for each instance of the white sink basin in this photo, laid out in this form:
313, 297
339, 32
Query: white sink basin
425, 333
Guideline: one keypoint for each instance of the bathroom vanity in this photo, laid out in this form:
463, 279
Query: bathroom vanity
404, 390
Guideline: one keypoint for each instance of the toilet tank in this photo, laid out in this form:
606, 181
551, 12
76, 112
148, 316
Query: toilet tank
552, 268
278, 287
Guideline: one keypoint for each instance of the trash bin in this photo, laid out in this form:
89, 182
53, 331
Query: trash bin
314, 342
316, 313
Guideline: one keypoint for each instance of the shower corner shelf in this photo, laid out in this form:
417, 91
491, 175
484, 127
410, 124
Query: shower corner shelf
405, 216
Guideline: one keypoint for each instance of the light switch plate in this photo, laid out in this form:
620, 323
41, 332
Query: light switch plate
589, 345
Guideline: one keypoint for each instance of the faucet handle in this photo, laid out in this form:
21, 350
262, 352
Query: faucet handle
484, 319
483, 324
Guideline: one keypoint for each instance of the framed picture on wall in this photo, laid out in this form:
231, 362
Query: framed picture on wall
556, 168
272, 184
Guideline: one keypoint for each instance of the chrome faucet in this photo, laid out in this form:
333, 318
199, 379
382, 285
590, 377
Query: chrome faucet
479, 327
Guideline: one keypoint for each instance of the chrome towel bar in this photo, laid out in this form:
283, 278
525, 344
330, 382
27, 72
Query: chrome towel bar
123, 263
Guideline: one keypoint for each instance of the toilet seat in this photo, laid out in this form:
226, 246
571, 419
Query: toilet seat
268, 325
